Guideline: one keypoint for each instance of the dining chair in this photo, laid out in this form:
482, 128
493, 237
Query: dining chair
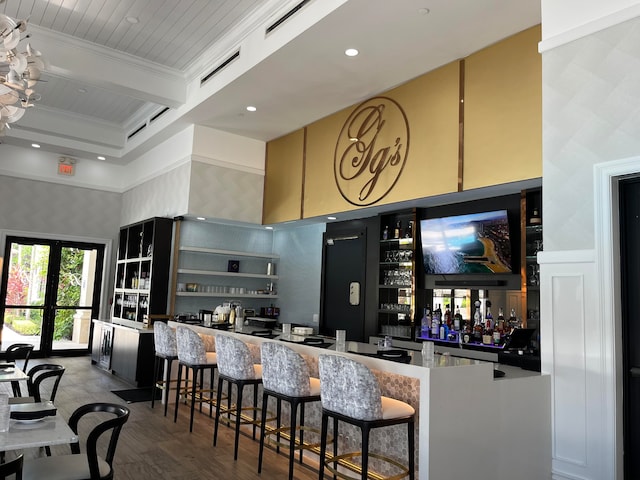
36, 377
90, 465
18, 351
41, 374
12, 467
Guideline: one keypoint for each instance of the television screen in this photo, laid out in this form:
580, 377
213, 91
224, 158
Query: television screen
473, 243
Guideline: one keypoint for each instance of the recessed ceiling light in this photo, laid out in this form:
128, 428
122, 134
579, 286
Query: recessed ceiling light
131, 19
200, 218
251, 108
351, 52
268, 228
423, 11
100, 157
82, 90
35, 145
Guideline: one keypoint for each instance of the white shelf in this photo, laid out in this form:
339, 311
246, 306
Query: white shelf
134, 260
226, 274
131, 290
227, 295
230, 253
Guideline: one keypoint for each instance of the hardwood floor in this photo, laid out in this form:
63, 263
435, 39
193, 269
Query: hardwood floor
151, 446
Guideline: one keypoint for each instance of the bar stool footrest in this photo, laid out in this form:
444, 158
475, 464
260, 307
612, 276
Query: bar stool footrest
344, 458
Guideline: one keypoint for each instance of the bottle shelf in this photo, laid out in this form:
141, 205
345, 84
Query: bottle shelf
135, 260
216, 273
229, 253
226, 295
401, 241
133, 291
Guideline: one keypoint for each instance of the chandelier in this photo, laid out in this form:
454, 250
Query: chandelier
19, 71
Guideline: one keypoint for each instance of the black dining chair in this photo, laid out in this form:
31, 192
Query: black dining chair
12, 467
90, 465
43, 373
19, 351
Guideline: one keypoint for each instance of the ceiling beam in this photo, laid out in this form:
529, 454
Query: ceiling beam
74, 59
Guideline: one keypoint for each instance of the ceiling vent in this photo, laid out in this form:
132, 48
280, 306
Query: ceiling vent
220, 67
286, 16
136, 131
159, 114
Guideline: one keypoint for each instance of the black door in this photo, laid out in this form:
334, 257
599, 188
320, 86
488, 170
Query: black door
50, 291
630, 271
343, 286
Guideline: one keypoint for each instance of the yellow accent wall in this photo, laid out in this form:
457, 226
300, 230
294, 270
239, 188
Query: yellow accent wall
503, 112
502, 135
430, 103
283, 184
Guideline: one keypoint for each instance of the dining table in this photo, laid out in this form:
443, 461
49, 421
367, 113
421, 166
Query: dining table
33, 431
9, 372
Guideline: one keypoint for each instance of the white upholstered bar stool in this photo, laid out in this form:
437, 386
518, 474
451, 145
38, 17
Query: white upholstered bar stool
285, 376
236, 367
350, 393
192, 355
166, 350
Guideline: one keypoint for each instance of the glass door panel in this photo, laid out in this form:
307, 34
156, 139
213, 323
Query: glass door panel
50, 293
27, 270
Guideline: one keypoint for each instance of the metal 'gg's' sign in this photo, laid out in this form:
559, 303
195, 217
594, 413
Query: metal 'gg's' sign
371, 151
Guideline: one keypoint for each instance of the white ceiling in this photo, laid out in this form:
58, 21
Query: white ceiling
108, 77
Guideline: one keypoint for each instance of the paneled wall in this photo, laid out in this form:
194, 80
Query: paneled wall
591, 106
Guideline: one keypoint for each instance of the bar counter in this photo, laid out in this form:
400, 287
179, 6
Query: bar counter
469, 425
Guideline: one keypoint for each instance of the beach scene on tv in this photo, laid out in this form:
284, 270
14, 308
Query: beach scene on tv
473, 243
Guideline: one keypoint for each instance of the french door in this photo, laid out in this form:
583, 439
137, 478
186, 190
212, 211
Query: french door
50, 291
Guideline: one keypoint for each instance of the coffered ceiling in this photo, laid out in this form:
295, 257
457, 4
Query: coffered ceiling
125, 74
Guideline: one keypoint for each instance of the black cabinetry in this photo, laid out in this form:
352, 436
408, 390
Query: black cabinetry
532, 245
396, 275
142, 270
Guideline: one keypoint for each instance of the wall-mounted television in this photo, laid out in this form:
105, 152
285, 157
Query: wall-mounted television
475, 243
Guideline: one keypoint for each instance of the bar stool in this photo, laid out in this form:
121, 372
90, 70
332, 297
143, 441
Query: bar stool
285, 376
166, 351
350, 393
236, 367
193, 356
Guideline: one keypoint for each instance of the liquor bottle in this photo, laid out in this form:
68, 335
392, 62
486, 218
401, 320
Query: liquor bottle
500, 323
435, 323
426, 323
443, 331
489, 317
513, 320
447, 317
385, 233
397, 232
477, 323
409, 232
457, 320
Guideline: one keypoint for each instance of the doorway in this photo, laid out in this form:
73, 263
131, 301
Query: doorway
50, 291
629, 192
343, 289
